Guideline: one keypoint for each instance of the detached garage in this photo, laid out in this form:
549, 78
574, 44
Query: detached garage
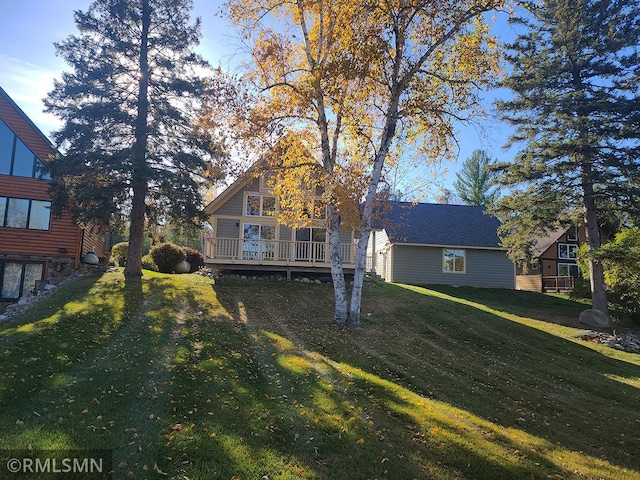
441, 244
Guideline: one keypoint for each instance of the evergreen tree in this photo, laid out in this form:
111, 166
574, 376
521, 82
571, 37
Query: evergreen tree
576, 109
128, 107
475, 183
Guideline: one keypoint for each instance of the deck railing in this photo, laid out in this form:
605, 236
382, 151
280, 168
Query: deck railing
558, 284
239, 250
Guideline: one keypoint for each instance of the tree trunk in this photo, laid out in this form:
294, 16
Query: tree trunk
133, 267
139, 175
337, 274
358, 277
596, 271
367, 214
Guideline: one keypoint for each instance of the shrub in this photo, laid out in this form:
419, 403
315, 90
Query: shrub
195, 259
119, 253
621, 261
148, 263
166, 256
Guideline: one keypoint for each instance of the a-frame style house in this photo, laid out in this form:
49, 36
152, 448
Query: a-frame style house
34, 245
247, 235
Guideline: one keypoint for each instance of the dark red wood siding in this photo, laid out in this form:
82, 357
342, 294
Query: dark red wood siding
63, 239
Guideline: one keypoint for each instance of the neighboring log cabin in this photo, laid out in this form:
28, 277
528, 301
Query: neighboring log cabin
34, 245
554, 265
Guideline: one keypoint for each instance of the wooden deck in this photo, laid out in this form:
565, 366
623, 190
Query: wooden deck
557, 284
251, 254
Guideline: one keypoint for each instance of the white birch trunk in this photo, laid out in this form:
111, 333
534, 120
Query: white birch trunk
337, 274
358, 277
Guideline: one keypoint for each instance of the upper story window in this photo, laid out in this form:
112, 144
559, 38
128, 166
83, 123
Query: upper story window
16, 158
572, 234
568, 251
453, 261
260, 206
23, 213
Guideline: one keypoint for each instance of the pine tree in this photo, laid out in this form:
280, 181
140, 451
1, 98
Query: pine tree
475, 183
128, 106
576, 109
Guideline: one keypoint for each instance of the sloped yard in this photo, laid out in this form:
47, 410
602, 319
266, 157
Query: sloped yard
250, 380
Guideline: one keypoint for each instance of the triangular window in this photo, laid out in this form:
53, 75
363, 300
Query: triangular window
16, 158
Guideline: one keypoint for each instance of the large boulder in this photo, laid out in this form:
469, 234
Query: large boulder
182, 267
594, 318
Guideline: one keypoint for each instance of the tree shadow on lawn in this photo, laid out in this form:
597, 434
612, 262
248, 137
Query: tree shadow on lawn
344, 424
537, 306
111, 392
511, 375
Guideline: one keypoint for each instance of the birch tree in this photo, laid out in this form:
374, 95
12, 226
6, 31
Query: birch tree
347, 79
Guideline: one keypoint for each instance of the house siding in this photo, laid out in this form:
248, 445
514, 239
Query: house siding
235, 205
60, 247
423, 265
16, 122
228, 228
285, 233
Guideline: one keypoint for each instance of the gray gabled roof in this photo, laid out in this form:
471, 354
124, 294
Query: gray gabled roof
440, 224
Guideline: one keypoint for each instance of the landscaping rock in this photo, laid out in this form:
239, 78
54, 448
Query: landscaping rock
624, 341
30, 299
594, 318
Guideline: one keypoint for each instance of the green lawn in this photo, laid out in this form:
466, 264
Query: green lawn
183, 379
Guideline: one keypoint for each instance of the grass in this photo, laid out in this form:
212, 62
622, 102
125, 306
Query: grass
251, 380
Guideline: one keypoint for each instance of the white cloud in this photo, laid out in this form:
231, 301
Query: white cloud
27, 84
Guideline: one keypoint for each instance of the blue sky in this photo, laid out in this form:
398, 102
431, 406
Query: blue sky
28, 65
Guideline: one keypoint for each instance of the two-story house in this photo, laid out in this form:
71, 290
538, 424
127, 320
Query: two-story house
554, 266
248, 236
34, 245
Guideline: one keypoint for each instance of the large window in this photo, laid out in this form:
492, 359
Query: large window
567, 251
17, 278
23, 213
453, 261
16, 158
568, 270
258, 242
260, 205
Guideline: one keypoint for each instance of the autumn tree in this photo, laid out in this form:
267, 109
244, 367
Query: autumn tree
576, 112
128, 106
475, 183
337, 82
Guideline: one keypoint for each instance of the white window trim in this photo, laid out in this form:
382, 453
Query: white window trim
262, 196
464, 263
567, 265
569, 249
573, 236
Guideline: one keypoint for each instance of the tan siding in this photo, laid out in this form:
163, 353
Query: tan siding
235, 205
227, 228
423, 265
285, 233
532, 283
